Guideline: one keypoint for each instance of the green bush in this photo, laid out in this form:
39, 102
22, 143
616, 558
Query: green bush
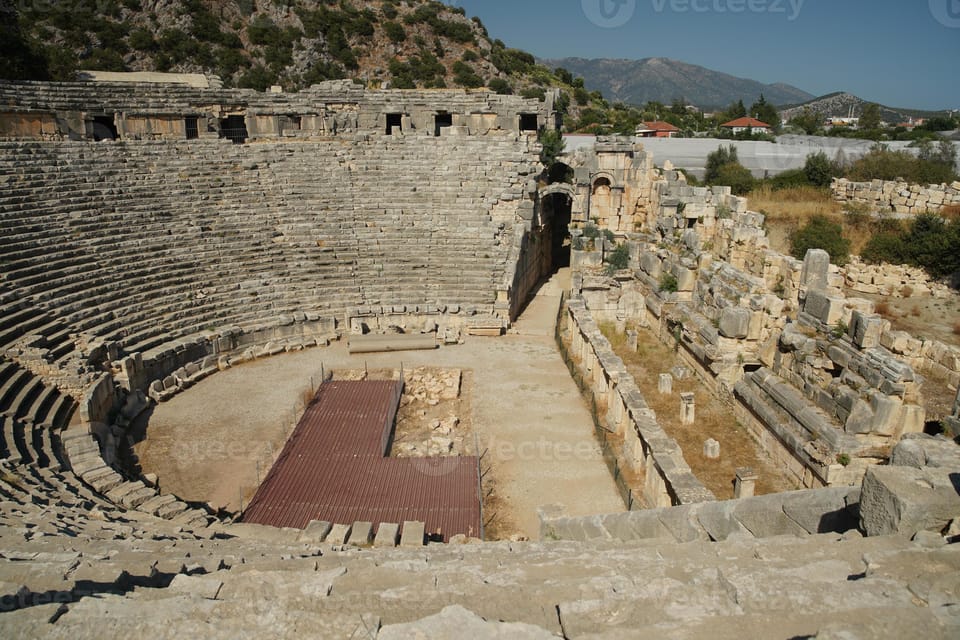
512, 60
469, 56
735, 176
821, 233
668, 283
819, 169
552, 142
716, 159
395, 32
257, 78
389, 10
882, 164
500, 86
591, 231
142, 40
465, 76
618, 259
582, 96
534, 93
263, 31
789, 179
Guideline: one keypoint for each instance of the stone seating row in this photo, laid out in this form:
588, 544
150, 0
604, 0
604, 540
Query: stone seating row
67, 283
83, 452
23, 395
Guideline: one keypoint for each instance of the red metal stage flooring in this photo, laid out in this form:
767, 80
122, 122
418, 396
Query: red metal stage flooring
333, 467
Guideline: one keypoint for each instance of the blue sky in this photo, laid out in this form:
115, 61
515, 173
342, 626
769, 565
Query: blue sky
901, 53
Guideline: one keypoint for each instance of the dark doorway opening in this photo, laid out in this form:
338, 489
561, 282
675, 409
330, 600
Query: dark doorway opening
394, 121
560, 172
234, 128
193, 128
528, 122
557, 212
442, 121
104, 128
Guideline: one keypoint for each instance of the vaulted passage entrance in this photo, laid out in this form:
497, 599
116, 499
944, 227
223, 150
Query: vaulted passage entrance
557, 209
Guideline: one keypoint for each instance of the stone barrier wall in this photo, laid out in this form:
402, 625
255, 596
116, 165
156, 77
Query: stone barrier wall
897, 196
653, 458
795, 513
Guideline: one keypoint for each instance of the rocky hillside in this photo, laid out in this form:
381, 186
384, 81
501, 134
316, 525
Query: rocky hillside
841, 104
258, 43
664, 80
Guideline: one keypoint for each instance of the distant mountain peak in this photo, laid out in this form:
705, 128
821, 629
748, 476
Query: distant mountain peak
664, 80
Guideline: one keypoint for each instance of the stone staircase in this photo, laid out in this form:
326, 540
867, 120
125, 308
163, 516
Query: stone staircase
140, 578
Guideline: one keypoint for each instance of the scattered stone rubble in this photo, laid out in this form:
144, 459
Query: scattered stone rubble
428, 422
823, 374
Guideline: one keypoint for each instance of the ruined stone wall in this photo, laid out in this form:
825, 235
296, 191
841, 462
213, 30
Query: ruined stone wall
821, 381
654, 459
897, 196
890, 280
613, 182
147, 111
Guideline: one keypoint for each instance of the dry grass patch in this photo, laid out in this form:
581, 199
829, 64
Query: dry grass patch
714, 419
787, 210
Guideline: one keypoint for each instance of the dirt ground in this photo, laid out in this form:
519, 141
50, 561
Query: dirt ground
922, 316
713, 419
216, 441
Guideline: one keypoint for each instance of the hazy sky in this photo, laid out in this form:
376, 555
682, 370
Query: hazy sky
902, 53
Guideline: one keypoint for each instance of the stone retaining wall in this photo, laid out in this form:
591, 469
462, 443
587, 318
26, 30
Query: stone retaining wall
795, 513
897, 196
654, 459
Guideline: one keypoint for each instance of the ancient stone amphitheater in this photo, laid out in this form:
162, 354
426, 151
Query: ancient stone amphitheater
155, 234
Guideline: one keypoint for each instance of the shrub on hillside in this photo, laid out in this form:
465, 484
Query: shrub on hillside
465, 76
500, 86
395, 32
821, 233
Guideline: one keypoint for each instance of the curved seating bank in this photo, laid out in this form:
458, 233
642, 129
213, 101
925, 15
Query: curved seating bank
131, 268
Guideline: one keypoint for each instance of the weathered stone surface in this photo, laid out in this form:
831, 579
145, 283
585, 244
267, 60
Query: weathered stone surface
412, 534
457, 622
824, 510
734, 322
921, 450
905, 500
816, 266
339, 534
388, 534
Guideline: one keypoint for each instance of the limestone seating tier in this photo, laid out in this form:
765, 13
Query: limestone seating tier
137, 577
190, 231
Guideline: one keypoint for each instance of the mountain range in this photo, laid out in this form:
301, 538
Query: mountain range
665, 80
